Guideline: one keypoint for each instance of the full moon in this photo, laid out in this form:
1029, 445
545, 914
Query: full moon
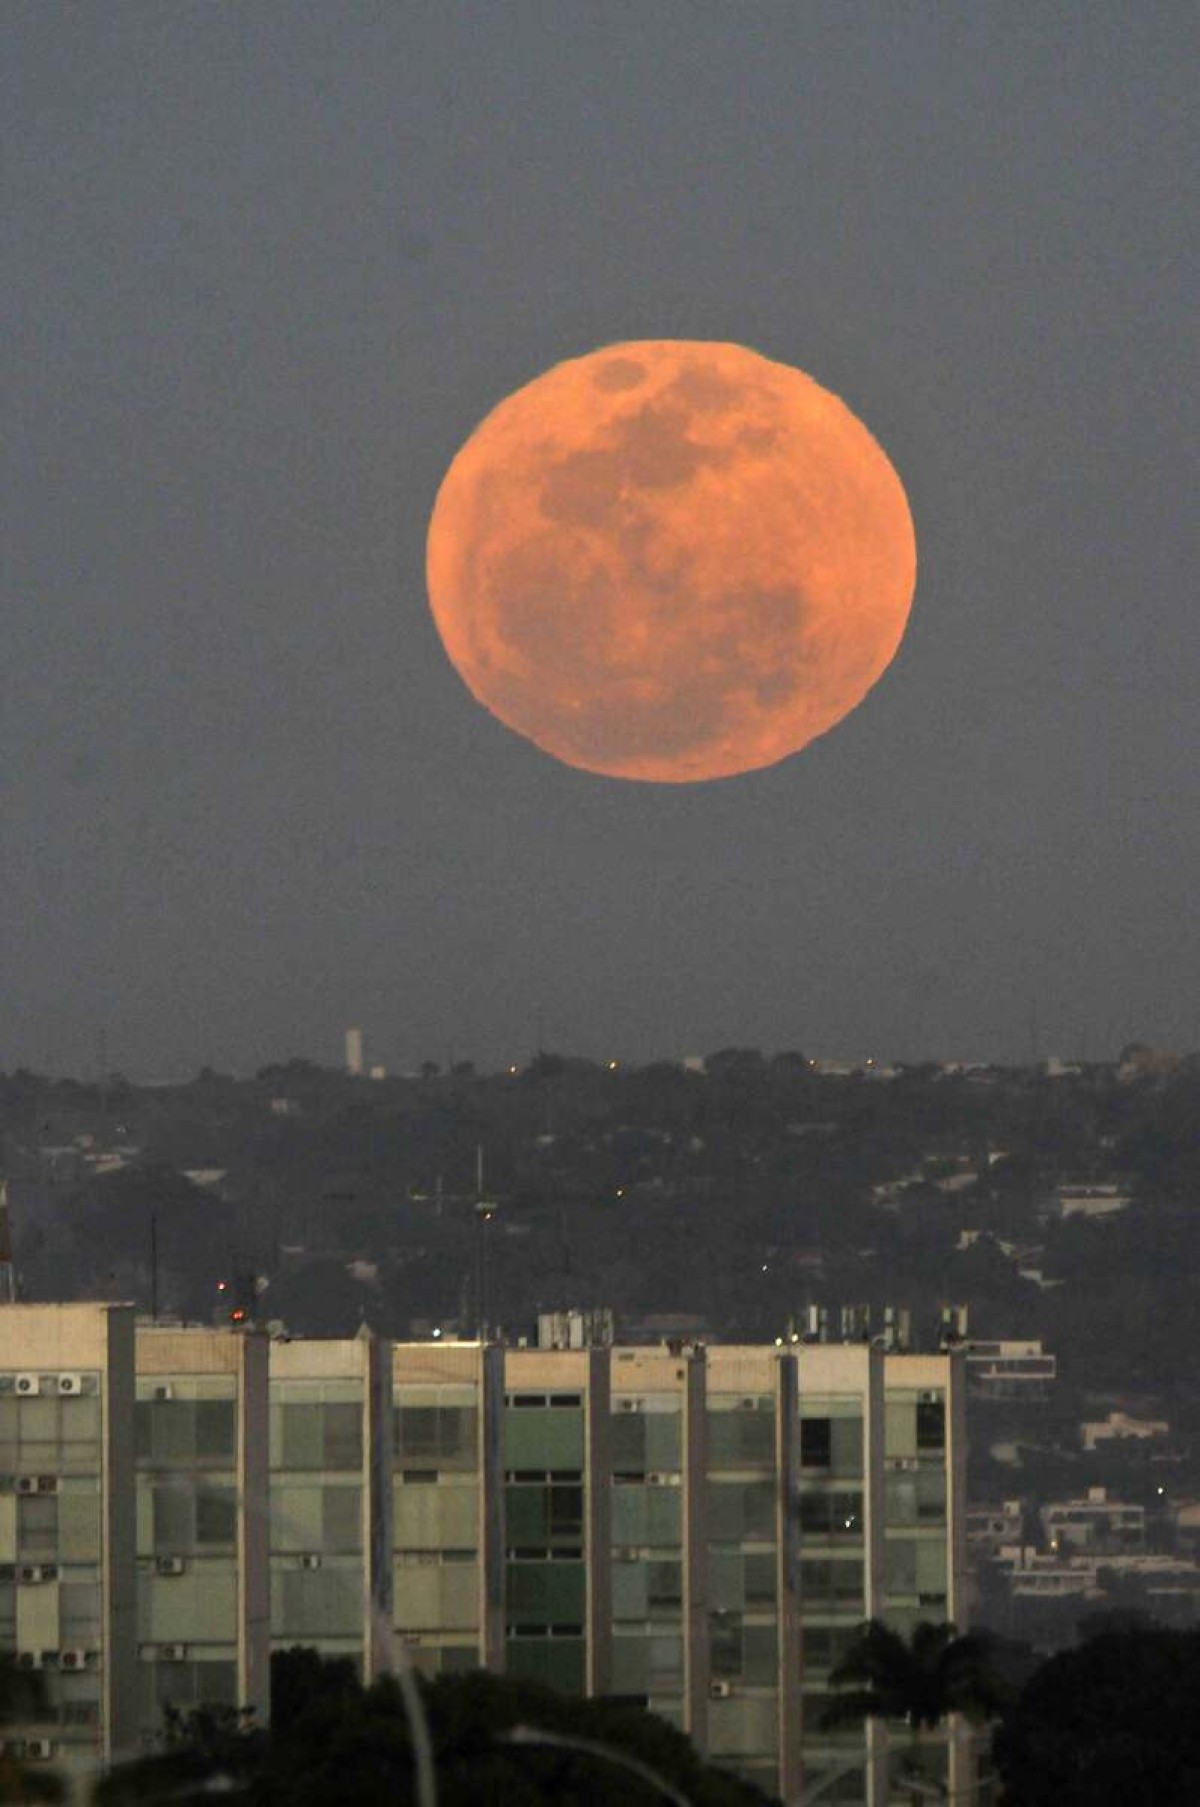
671, 560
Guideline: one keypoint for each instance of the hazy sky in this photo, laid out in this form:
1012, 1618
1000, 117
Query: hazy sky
266, 265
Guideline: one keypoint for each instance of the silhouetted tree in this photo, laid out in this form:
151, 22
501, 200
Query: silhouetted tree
919, 1682
1113, 1723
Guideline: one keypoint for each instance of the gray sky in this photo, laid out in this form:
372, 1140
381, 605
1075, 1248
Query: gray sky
266, 267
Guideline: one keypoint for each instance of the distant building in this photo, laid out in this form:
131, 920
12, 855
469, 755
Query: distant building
1098, 1199
354, 1053
1121, 1427
575, 1329
1010, 1370
1094, 1524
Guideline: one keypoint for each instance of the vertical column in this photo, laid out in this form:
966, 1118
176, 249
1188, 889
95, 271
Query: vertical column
254, 1527
119, 1533
378, 1439
695, 1549
598, 1525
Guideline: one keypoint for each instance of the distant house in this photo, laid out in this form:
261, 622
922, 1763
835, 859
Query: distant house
1094, 1525
1120, 1426
1009, 1370
1101, 1198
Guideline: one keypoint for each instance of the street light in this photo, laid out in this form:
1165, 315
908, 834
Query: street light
532, 1735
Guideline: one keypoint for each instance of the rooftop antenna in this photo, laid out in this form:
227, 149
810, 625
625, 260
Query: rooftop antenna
154, 1267
8, 1273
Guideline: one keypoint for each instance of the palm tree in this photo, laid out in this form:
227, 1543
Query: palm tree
920, 1682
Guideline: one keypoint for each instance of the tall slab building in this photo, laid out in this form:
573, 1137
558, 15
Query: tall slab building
67, 1567
203, 1583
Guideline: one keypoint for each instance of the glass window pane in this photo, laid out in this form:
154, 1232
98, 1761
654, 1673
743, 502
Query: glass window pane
215, 1427
301, 1427
664, 1517
173, 1519
931, 1424
341, 1518
343, 1436
901, 1428
628, 1443
528, 1517
816, 1442
663, 1442
847, 1446
760, 1655
216, 1515
759, 1573
900, 1565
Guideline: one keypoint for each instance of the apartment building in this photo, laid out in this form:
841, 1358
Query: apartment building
67, 1568
203, 1580
840, 1518
330, 1456
557, 1517
746, 1520
448, 1504
701, 1530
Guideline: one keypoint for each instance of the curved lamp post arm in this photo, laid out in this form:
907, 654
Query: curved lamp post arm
529, 1736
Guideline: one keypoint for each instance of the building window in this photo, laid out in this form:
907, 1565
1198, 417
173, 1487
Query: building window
816, 1442
931, 1424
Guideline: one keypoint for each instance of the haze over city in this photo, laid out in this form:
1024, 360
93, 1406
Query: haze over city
269, 267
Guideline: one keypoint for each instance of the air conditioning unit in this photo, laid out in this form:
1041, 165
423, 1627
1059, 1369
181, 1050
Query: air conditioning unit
38, 1749
29, 1659
164, 1390
748, 1405
28, 1383
720, 1690
930, 1398
26, 1483
631, 1405
72, 1659
47, 1483
31, 1572
171, 1653
170, 1565
70, 1383
310, 1561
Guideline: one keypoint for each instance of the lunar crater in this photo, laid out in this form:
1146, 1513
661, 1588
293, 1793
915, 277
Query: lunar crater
671, 561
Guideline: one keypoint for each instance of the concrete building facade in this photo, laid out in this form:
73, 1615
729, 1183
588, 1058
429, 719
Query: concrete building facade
203, 1582
330, 1454
700, 1530
67, 1564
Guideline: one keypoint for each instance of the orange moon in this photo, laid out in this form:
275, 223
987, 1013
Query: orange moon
671, 560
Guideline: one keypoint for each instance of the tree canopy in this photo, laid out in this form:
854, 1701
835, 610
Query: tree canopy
1113, 1723
335, 1743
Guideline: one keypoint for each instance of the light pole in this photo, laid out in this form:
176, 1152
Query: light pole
485, 1210
527, 1736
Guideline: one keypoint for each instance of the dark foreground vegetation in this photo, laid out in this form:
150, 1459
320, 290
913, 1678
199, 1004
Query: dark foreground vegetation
1113, 1723
334, 1743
